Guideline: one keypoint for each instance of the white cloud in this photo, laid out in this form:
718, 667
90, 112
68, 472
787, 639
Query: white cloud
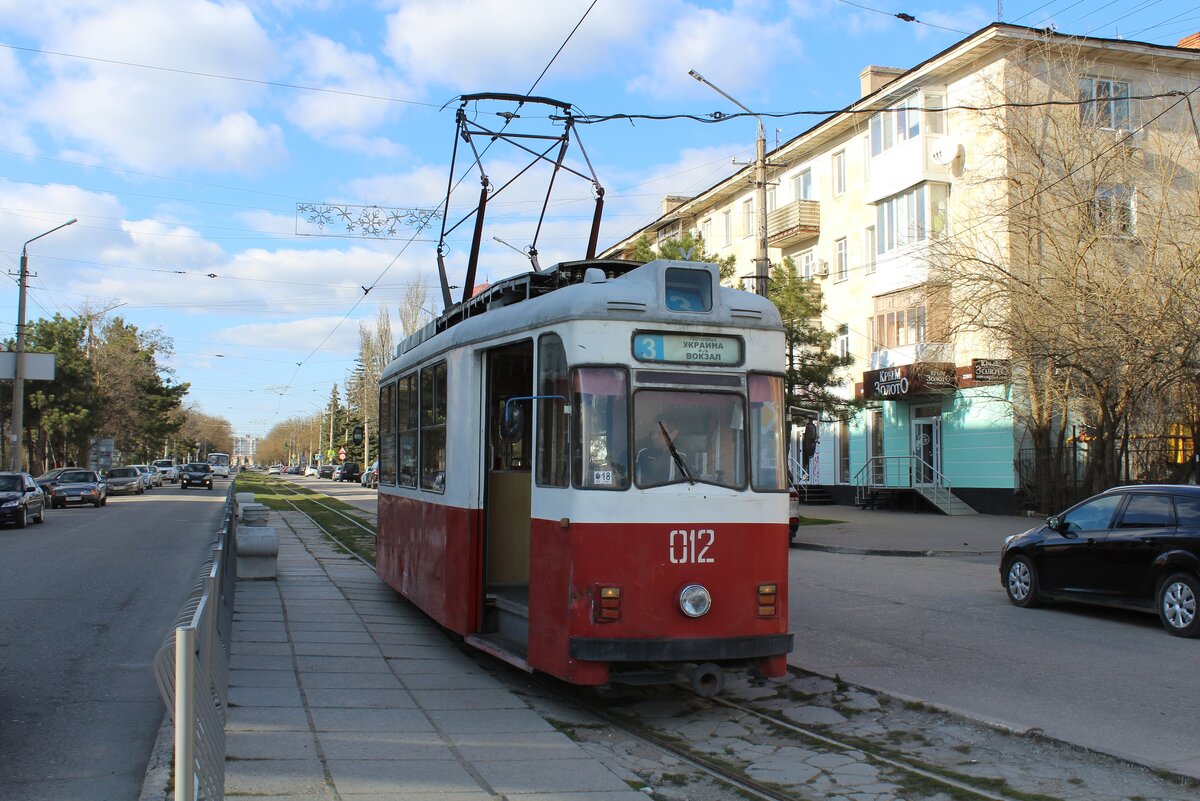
487, 45
157, 120
307, 332
732, 49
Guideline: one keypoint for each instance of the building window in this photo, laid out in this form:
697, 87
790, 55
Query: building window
1112, 211
896, 125
748, 217
843, 340
904, 218
898, 327
841, 259
807, 263
935, 113
869, 248
839, 172
770, 198
802, 184
727, 226
706, 232
1109, 106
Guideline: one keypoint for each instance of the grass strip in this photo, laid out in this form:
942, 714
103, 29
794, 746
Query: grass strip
326, 511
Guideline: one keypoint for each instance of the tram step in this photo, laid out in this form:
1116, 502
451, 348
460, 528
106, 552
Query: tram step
514, 652
508, 616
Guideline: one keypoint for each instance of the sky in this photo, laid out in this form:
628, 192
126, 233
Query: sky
187, 136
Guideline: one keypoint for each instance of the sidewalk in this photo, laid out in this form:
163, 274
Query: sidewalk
889, 533
341, 689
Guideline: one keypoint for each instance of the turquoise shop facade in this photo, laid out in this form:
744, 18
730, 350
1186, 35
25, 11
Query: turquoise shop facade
926, 424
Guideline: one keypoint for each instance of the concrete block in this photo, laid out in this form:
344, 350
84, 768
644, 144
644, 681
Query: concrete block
253, 514
243, 497
257, 551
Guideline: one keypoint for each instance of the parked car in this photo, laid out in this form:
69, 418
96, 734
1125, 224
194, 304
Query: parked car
196, 474
295, 470
1135, 547
311, 470
125, 481
48, 479
274, 470
77, 486
21, 499
152, 478
169, 470
370, 476
350, 471
325, 471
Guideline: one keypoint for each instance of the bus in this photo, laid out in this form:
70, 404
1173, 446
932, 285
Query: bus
220, 464
582, 473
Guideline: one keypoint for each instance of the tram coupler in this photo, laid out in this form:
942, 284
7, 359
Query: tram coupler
707, 679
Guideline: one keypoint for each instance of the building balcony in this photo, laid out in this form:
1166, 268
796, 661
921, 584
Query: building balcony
919, 353
795, 222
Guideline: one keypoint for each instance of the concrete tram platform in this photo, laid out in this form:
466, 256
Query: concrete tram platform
340, 689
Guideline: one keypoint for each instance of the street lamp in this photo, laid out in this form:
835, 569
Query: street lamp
762, 264
18, 403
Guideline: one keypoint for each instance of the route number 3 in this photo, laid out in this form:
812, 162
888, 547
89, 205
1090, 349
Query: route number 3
690, 546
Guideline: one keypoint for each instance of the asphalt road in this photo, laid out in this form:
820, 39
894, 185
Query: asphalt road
941, 630
85, 601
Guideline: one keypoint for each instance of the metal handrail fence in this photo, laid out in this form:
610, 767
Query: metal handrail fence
192, 669
898, 472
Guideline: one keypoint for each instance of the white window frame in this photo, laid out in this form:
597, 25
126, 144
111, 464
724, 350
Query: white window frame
706, 232
895, 125
841, 259
843, 340
771, 205
748, 217
869, 248
727, 226
1114, 211
802, 184
839, 173
808, 263
1109, 108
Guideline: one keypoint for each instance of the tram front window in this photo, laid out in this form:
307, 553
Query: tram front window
703, 428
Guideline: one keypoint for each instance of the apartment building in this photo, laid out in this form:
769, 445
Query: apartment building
868, 204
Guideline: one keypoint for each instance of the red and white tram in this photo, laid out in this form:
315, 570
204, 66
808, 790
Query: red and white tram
582, 473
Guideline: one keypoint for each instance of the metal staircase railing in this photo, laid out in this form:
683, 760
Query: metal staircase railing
899, 472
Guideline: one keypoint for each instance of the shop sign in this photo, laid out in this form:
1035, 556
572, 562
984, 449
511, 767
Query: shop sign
991, 370
908, 380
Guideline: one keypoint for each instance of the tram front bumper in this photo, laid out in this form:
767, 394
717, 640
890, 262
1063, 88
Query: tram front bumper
613, 649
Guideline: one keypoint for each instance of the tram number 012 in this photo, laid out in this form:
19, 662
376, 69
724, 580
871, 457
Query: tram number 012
690, 546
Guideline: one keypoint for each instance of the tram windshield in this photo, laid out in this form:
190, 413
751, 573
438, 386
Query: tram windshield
689, 437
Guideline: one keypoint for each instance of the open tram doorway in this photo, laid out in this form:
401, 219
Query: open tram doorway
508, 480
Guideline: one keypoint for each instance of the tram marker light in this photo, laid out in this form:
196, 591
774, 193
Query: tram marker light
608, 610
767, 595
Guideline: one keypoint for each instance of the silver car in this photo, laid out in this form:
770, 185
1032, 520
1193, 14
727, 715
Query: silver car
125, 480
153, 478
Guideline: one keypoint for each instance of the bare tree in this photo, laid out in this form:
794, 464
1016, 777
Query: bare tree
1075, 251
412, 307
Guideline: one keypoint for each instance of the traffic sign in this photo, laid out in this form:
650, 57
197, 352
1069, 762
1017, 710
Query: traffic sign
342, 455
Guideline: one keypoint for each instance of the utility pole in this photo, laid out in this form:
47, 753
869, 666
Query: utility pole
762, 262
18, 402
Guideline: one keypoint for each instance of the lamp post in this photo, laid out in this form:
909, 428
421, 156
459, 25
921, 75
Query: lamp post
762, 264
18, 403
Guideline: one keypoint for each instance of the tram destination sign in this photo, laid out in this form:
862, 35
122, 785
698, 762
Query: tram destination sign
687, 348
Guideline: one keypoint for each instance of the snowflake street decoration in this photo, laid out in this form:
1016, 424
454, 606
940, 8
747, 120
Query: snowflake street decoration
375, 222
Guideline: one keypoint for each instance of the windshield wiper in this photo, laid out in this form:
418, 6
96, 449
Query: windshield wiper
675, 454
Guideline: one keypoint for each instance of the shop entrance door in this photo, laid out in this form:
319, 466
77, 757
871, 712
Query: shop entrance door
927, 447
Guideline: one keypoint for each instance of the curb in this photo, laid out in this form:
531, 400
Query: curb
157, 782
856, 551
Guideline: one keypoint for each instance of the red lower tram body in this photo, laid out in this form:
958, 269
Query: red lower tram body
602, 600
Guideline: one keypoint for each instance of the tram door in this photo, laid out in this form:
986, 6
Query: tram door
507, 509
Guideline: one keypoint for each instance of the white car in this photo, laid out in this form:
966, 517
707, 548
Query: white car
274, 470
153, 477
311, 470
168, 469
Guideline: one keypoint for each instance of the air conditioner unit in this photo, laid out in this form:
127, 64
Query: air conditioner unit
822, 269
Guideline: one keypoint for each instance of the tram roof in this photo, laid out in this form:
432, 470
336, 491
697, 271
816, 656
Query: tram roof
612, 289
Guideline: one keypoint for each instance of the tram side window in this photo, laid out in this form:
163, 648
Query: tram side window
433, 428
406, 431
387, 435
553, 467
766, 433
600, 445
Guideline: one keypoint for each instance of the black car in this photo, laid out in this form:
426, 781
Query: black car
325, 471
80, 486
350, 472
1134, 547
196, 474
21, 499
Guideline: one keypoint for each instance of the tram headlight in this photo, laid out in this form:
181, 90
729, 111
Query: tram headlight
695, 600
